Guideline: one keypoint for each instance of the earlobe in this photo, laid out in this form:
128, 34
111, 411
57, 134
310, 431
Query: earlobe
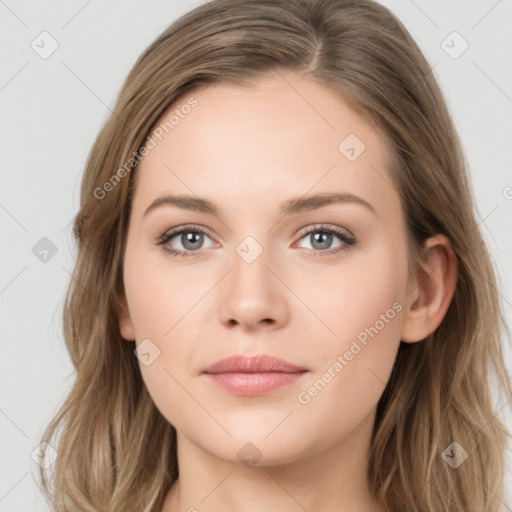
123, 315
434, 288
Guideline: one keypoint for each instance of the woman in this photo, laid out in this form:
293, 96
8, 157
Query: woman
223, 365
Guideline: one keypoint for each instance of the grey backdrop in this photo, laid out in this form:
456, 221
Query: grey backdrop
62, 65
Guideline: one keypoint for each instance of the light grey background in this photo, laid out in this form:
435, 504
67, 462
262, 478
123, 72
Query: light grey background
51, 110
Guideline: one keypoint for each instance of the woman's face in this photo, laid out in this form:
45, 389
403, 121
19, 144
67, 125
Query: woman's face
303, 259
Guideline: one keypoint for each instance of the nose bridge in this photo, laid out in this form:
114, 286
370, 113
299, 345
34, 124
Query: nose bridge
252, 279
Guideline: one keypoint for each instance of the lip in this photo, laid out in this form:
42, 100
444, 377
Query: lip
253, 364
251, 376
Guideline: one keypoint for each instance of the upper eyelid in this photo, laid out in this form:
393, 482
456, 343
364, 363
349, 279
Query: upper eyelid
187, 227
325, 227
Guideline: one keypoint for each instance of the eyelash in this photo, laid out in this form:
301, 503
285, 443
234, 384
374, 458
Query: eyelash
348, 241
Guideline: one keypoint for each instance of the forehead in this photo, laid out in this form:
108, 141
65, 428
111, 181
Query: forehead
283, 136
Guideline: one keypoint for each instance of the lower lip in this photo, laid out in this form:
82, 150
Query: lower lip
253, 384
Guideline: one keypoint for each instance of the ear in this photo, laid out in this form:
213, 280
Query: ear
431, 290
125, 322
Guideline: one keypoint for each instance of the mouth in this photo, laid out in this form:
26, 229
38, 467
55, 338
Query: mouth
253, 376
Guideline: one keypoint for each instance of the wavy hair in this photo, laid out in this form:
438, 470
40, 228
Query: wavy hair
116, 451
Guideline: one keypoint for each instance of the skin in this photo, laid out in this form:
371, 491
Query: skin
248, 149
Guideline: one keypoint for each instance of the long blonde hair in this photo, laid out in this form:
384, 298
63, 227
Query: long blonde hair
116, 452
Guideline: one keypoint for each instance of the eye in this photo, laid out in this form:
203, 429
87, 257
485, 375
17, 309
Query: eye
321, 238
191, 239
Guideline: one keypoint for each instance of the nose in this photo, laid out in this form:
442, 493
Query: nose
253, 296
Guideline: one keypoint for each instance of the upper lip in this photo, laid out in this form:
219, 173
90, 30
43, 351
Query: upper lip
254, 364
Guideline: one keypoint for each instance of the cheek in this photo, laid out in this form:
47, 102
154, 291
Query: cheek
158, 310
165, 308
157, 295
363, 306
352, 296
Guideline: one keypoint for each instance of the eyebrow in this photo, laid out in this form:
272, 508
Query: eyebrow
294, 205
